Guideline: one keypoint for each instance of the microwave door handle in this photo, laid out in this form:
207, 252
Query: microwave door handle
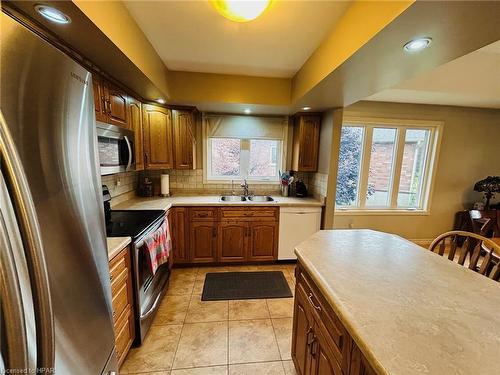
129, 146
32, 238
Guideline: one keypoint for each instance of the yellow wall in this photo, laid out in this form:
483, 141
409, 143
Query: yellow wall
115, 21
469, 152
205, 87
362, 21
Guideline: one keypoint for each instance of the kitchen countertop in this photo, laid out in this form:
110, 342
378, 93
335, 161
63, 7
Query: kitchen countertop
116, 244
409, 310
160, 203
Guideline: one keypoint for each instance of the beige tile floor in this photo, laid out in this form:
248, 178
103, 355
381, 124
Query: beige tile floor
194, 337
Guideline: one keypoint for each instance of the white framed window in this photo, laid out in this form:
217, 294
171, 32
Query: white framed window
243, 147
386, 165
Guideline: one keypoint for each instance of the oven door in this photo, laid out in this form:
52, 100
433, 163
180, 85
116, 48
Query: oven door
116, 149
149, 288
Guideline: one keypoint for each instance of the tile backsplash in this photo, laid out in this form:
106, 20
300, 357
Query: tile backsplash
318, 184
123, 186
191, 182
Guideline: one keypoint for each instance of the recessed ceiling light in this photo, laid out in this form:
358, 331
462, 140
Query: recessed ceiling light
417, 45
247, 111
241, 11
52, 14
306, 108
161, 101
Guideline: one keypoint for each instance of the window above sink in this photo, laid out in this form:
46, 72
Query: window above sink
243, 147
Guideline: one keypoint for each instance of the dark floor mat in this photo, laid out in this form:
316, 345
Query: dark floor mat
245, 285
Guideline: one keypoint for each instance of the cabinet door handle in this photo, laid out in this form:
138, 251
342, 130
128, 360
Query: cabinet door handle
310, 298
103, 103
309, 339
108, 102
312, 348
145, 158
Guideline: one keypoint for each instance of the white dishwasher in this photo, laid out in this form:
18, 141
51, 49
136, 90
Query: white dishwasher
296, 225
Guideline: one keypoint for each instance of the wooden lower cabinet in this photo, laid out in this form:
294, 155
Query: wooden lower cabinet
263, 241
232, 241
224, 234
302, 332
122, 302
320, 343
203, 242
177, 218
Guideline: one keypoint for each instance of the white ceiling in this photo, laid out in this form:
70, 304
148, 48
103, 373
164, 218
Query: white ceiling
472, 80
192, 36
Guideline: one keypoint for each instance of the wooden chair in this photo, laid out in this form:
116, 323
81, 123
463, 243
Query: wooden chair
485, 223
482, 253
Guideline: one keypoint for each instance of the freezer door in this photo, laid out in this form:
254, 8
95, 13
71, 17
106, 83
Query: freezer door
46, 99
17, 311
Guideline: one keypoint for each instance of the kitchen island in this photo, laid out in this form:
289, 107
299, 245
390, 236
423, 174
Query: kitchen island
368, 302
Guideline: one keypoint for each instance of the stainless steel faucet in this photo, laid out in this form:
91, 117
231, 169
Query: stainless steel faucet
244, 185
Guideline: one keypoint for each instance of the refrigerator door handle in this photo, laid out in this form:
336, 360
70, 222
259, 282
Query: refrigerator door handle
10, 294
31, 237
129, 153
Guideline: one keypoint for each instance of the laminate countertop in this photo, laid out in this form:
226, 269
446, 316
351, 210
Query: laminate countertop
160, 203
116, 244
410, 311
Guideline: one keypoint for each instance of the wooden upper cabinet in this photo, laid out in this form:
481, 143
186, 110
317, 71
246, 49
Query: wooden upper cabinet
158, 142
134, 114
263, 241
203, 241
184, 140
306, 143
110, 103
99, 99
233, 240
116, 101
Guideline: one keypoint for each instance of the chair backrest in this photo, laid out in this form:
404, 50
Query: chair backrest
485, 222
482, 253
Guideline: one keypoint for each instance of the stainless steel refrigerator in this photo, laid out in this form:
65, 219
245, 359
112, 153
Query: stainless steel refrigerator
54, 281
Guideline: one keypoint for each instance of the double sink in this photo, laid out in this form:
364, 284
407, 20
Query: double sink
242, 198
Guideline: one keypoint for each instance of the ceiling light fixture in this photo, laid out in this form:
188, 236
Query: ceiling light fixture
417, 45
306, 108
241, 10
52, 14
161, 101
247, 111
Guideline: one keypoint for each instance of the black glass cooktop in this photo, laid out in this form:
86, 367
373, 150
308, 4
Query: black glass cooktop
131, 223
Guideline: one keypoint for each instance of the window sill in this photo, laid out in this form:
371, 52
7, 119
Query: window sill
394, 212
237, 182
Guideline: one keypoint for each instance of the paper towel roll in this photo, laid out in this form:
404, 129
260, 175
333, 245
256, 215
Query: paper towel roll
165, 185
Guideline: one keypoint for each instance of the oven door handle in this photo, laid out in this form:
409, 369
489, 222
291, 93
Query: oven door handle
129, 153
153, 308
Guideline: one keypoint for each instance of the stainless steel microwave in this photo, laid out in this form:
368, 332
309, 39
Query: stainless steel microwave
116, 149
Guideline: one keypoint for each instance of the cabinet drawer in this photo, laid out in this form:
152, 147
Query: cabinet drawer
120, 299
116, 266
335, 332
203, 214
249, 214
123, 336
119, 281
